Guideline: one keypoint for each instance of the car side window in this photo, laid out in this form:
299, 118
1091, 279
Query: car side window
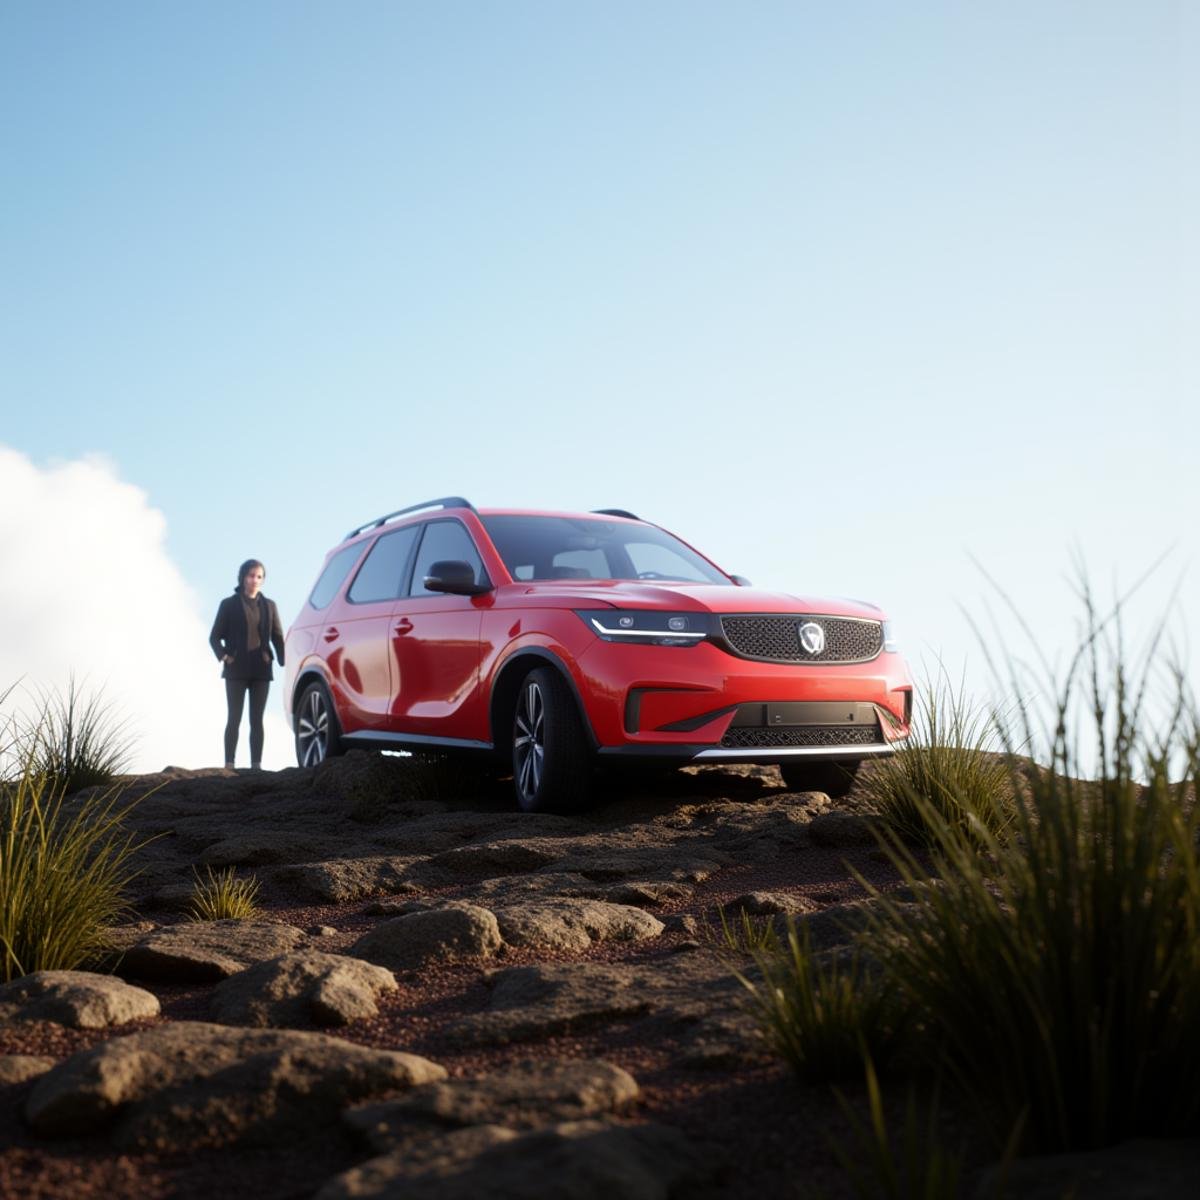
334, 575
444, 540
382, 574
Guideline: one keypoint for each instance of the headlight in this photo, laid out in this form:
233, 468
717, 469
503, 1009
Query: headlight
647, 628
890, 642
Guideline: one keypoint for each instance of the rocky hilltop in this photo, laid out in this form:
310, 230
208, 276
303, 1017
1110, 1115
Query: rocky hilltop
440, 997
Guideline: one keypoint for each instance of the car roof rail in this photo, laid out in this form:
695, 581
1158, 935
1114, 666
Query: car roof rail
442, 502
616, 512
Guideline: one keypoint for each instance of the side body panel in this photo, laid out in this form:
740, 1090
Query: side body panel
435, 653
355, 638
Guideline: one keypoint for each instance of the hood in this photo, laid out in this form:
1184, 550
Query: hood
679, 597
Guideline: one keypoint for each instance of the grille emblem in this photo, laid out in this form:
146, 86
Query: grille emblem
812, 637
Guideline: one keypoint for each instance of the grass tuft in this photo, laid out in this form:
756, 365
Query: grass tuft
222, 896
1059, 969
64, 868
77, 741
740, 936
819, 1013
953, 764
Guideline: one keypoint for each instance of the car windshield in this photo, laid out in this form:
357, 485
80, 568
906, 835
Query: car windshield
584, 548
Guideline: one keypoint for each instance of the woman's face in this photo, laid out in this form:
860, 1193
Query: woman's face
252, 581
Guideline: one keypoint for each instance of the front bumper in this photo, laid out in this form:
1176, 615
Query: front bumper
701, 703
763, 755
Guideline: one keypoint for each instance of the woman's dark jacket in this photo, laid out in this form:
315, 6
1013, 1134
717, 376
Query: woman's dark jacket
229, 637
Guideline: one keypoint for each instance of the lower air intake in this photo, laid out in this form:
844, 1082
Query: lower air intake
757, 737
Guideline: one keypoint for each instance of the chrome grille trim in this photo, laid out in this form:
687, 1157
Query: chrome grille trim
774, 637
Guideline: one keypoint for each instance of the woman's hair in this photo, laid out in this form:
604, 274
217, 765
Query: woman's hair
245, 570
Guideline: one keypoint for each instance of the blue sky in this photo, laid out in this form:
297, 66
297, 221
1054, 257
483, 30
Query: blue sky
844, 294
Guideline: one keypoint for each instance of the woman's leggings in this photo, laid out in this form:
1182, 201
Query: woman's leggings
235, 696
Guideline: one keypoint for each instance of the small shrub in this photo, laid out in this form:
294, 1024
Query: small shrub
222, 896
953, 763
76, 742
818, 1013
64, 867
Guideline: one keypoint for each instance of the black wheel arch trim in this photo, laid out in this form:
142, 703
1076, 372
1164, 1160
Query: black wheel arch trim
307, 676
542, 655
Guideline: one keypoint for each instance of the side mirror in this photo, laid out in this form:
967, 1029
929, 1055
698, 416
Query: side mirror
454, 576
741, 580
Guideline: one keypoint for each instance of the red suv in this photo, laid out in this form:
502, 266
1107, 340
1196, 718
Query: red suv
551, 641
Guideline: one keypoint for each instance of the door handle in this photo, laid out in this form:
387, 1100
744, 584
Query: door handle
331, 634
404, 625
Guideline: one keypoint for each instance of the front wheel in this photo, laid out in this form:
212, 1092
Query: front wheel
835, 779
551, 764
318, 734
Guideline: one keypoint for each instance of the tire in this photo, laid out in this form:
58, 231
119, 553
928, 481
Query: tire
835, 779
552, 767
318, 734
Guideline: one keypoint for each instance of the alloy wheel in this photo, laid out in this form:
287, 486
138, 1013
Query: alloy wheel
312, 728
529, 741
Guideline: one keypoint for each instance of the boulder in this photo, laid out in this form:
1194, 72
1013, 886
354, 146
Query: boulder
105, 959
258, 848
16, 1069
841, 829
489, 859
838, 925
205, 951
526, 1095
574, 924
78, 999
549, 999
696, 994
299, 988
762, 904
666, 864
189, 1084
643, 892
343, 879
172, 897
584, 1160
450, 934
683, 923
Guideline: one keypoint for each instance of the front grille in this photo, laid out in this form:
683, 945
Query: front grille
777, 638
801, 735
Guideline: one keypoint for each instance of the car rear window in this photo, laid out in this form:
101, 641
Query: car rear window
582, 548
334, 575
382, 575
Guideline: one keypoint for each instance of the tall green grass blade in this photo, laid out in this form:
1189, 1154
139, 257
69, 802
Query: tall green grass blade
1060, 964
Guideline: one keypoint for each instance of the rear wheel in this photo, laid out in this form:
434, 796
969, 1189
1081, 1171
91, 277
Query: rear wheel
551, 763
835, 779
318, 734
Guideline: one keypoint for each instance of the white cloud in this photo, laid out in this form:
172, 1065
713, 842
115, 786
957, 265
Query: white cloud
87, 587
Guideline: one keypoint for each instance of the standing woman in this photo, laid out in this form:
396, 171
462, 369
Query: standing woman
247, 625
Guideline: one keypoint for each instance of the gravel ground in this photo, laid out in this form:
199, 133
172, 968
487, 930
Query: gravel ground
772, 1131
